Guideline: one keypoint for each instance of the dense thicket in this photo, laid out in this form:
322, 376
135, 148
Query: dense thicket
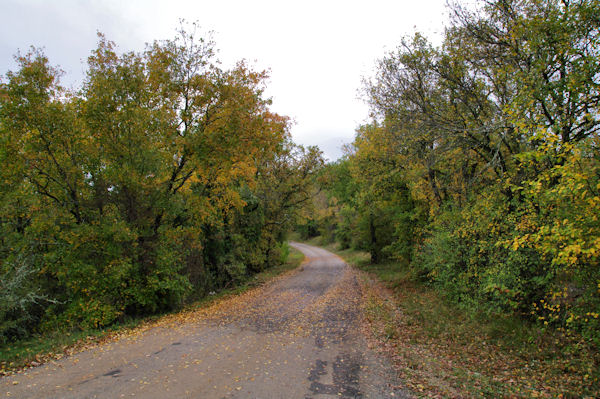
162, 178
481, 165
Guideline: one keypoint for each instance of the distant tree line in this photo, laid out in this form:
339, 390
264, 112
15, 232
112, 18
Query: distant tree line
480, 168
164, 177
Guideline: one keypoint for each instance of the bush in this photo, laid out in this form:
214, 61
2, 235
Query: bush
20, 299
284, 252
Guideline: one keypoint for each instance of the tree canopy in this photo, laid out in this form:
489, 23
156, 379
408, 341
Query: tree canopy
162, 178
479, 167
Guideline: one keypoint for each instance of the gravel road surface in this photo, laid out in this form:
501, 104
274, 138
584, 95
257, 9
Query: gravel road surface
298, 337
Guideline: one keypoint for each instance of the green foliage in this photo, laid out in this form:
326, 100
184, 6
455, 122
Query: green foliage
466, 352
20, 300
480, 167
284, 252
164, 177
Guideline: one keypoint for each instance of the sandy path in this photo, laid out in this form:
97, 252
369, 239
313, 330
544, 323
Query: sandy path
295, 338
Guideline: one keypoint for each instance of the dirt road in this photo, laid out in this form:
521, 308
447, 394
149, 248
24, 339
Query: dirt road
295, 338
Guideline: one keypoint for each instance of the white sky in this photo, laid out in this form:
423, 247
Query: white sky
317, 51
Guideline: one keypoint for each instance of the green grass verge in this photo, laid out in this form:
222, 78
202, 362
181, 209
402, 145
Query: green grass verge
442, 350
40, 348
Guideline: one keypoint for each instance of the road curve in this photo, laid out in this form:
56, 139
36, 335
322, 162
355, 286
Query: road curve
295, 338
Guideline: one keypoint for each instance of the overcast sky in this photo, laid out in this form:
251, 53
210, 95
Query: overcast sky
317, 51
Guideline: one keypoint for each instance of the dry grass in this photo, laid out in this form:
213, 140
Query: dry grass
445, 352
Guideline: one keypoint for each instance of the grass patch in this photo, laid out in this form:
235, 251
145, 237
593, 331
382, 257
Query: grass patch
54, 345
351, 256
444, 351
41, 348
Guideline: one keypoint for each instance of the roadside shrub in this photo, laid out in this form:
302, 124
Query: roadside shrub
284, 252
21, 300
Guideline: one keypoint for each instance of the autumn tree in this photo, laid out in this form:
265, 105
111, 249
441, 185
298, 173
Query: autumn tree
129, 196
487, 144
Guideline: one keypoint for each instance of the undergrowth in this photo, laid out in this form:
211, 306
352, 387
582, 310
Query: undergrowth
55, 344
442, 350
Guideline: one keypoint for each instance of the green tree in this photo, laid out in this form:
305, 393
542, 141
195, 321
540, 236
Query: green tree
478, 166
164, 176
